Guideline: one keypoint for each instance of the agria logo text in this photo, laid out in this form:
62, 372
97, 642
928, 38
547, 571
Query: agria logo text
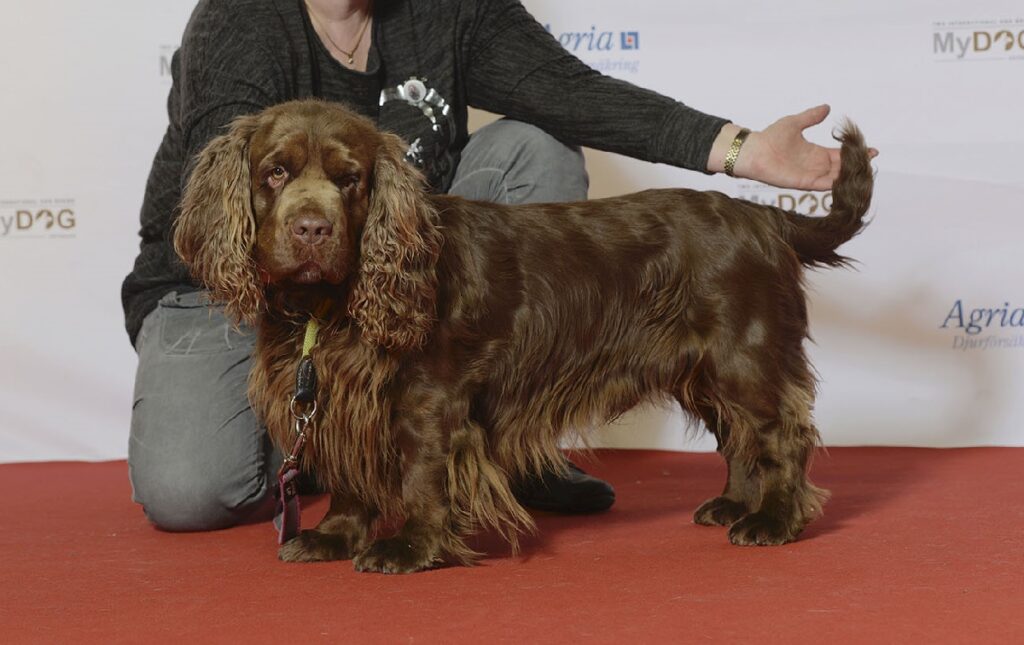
605, 50
596, 40
985, 327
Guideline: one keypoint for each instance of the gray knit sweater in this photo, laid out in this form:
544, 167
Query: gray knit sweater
240, 56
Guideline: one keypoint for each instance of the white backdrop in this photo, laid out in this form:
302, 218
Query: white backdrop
937, 87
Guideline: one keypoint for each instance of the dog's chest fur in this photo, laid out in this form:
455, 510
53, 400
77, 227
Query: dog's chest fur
352, 447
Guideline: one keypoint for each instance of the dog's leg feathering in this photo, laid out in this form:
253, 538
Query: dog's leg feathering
771, 454
740, 494
342, 534
419, 544
480, 495
756, 392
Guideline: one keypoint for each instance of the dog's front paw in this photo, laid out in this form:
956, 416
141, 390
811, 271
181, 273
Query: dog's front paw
314, 546
719, 511
396, 555
760, 529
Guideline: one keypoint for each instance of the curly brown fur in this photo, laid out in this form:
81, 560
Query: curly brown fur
215, 232
393, 299
462, 340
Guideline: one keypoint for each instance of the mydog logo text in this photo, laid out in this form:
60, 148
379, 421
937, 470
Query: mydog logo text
979, 40
42, 218
805, 203
166, 54
985, 327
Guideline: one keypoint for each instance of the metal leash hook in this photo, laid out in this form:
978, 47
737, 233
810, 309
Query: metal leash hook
303, 416
303, 408
303, 420
287, 518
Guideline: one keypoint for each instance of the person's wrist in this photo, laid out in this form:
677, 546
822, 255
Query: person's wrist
733, 154
720, 147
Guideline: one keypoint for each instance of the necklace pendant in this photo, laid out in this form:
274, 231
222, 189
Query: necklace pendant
351, 60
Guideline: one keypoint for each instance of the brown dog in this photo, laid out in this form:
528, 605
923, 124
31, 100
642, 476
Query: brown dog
462, 340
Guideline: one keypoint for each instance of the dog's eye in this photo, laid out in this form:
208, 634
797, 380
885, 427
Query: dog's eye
346, 180
276, 176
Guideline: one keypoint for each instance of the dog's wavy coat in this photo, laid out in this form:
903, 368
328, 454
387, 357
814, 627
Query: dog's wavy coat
463, 340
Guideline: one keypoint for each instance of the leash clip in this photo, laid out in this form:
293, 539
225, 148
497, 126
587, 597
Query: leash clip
287, 516
302, 411
303, 407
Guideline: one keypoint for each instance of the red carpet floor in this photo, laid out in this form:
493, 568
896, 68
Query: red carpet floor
917, 546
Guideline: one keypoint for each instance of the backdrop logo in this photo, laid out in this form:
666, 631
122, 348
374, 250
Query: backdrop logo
978, 40
985, 327
166, 54
605, 50
37, 218
805, 203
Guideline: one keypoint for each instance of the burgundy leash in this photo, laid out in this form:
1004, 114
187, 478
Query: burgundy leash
287, 516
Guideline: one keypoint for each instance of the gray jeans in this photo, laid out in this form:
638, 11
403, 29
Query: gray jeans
197, 457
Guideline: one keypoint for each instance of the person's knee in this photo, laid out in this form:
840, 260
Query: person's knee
198, 467
190, 495
536, 164
197, 456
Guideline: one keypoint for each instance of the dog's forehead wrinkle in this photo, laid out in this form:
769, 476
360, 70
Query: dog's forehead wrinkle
287, 147
338, 158
347, 132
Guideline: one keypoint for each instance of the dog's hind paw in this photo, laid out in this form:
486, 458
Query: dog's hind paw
719, 511
396, 555
313, 546
760, 529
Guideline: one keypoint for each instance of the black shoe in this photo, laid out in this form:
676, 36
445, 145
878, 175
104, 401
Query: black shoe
571, 491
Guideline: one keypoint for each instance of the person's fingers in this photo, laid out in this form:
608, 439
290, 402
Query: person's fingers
812, 116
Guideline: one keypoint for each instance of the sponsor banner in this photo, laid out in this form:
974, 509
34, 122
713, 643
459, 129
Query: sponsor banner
610, 51
985, 328
164, 58
37, 218
978, 40
920, 344
803, 202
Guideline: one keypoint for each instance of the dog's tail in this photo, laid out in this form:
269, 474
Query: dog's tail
815, 239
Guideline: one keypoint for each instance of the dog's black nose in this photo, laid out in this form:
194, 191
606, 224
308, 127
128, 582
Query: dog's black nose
311, 230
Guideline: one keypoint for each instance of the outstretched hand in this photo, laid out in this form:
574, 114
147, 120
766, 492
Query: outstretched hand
780, 155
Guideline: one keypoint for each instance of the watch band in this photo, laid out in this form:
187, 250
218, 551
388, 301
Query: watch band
734, 151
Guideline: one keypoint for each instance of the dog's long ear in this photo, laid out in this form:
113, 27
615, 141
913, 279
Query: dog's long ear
216, 230
394, 298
